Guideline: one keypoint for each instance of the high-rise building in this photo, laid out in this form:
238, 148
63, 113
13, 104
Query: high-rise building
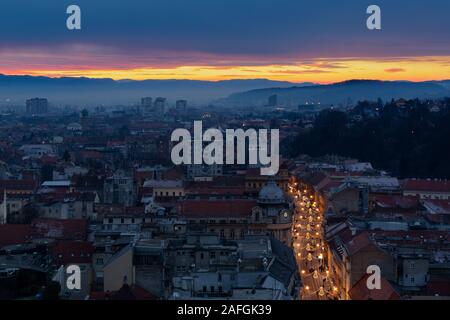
37, 106
181, 105
146, 105
160, 105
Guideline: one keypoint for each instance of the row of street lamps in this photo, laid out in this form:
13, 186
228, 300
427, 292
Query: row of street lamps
309, 245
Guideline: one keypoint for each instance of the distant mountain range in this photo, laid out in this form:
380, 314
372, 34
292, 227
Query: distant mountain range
342, 92
89, 91
14, 90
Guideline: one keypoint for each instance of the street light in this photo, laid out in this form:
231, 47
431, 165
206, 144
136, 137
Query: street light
315, 274
321, 292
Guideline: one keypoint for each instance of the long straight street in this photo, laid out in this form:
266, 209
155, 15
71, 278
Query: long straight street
309, 247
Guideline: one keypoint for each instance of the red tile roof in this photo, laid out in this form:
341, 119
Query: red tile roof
360, 291
66, 252
73, 229
438, 205
127, 292
227, 190
425, 185
30, 185
358, 243
14, 234
395, 201
412, 235
216, 208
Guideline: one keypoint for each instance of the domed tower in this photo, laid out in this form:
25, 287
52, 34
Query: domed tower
273, 210
271, 194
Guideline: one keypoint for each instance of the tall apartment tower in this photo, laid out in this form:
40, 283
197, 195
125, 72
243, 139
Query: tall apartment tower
37, 106
160, 105
181, 106
146, 105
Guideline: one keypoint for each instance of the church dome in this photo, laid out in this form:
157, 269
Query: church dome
271, 193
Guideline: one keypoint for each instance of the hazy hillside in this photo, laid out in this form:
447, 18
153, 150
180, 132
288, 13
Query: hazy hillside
81, 91
342, 92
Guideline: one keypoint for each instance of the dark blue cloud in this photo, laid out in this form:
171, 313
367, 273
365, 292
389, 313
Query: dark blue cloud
233, 27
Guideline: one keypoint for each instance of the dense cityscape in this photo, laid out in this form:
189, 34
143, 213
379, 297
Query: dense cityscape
224, 159
95, 187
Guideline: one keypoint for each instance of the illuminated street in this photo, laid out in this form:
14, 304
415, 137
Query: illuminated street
309, 247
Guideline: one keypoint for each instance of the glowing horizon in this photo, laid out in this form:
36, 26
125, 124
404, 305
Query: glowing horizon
322, 71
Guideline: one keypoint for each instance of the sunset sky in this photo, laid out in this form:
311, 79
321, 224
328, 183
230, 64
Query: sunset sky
295, 40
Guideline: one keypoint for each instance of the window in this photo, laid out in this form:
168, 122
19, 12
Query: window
99, 261
212, 255
212, 288
205, 289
